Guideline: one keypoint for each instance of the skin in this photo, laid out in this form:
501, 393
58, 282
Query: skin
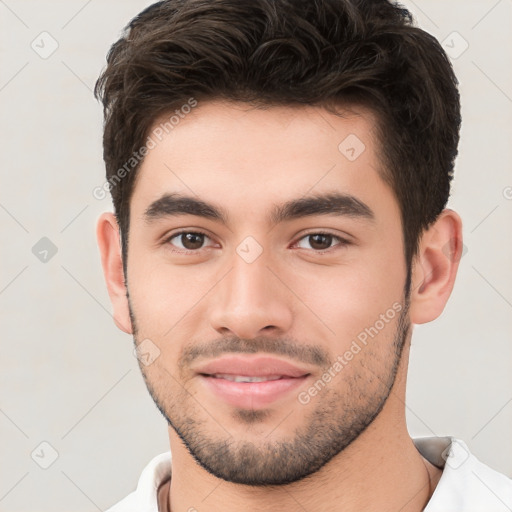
246, 160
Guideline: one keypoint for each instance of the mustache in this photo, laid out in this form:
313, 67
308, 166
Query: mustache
293, 350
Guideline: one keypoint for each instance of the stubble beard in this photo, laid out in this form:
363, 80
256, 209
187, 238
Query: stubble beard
334, 419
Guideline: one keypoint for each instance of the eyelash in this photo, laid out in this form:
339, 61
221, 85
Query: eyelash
342, 242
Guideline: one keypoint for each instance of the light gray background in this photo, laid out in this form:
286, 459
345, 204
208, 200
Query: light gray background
68, 376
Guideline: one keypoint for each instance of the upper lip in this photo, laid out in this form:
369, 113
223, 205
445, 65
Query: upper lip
260, 366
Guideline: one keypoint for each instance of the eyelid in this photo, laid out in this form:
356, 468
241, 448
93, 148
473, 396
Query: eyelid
326, 231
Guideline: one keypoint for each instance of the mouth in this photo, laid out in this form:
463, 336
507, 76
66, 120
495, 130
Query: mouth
250, 382
245, 378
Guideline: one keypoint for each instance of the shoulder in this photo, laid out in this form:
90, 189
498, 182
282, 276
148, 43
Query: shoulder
467, 484
144, 498
127, 504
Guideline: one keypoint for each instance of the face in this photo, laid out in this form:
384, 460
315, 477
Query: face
266, 280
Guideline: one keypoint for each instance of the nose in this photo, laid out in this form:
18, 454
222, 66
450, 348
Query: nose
251, 301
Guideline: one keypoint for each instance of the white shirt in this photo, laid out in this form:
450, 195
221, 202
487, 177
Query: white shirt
466, 484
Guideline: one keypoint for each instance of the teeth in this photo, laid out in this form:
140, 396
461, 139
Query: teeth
245, 378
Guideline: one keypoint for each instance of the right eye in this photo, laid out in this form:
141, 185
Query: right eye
187, 241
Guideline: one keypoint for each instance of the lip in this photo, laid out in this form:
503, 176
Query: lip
260, 366
251, 395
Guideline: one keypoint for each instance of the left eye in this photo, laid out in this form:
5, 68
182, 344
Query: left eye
321, 241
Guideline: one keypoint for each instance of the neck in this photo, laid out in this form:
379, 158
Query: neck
381, 470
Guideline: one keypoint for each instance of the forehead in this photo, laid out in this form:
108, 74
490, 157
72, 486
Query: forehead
250, 159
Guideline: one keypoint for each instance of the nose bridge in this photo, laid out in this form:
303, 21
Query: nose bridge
249, 278
248, 298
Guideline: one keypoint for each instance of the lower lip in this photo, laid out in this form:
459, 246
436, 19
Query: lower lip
252, 395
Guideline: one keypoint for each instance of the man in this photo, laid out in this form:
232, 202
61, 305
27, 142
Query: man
279, 171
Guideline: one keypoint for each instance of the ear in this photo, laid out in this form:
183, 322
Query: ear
107, 233
435, 267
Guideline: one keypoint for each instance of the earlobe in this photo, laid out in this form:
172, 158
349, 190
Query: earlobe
435, 267
107, 233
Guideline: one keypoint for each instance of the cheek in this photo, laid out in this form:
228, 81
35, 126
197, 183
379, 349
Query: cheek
351, 298
163, 294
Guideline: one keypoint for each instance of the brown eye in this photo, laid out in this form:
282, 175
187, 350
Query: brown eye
188, 240
192, 241
321, 241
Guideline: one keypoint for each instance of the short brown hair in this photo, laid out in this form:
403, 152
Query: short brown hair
290, 52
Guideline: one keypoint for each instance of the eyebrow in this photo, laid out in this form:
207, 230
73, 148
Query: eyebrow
334, 203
